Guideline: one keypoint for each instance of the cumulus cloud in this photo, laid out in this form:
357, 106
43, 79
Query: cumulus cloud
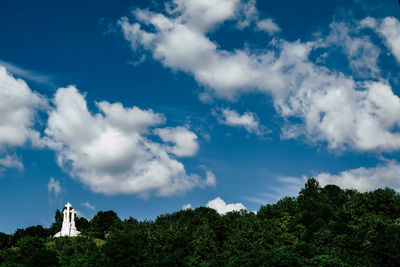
110, 152
346, 113
18, 108
18, 105
187, 207
179, 41
222, 208
332, 107
362, 179
389, 29
204, 15
268, 26
185, 141
54, 187
365, 179
88, 205
248, 120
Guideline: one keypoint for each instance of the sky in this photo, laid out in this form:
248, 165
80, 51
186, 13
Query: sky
150, 107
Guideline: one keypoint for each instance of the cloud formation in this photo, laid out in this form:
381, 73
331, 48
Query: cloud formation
268, 26
365, 179
185, 141
330, 107
88, 205
222, 208
211, 180
18, 109
248, 120
11, 161
389, 29
18, 105
54, 187
288, 187
362, 179
361, 53
187, 207
110, 152
27, 74
179, 41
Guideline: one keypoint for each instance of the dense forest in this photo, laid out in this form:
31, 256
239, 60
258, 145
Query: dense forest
324, 226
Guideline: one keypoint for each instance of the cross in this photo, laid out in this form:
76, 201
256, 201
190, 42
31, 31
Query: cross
68, 206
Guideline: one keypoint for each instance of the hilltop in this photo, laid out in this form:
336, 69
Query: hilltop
325, 226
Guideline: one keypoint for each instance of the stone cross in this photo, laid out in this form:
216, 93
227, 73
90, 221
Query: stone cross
73, 212
68, 206
68, 225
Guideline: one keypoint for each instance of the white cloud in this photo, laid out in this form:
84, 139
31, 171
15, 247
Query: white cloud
390, 30
187, 207
222, 208
88, 205
18, 106
365, 179
54, 187
362, 179
360, 116
11, 162
268, 26
203, 15
248, 120
211, 180
368, 22
361, 53
185, 141
180, 43
27, 74
331, 107
288, 187
109, 151
248, 13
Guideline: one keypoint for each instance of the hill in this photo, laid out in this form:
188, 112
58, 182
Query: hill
324, 226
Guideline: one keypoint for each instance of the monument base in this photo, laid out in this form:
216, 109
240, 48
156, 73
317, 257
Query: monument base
72, 232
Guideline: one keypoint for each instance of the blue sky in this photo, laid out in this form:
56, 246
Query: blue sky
144, 107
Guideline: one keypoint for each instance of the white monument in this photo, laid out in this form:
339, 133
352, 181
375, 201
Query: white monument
68, 226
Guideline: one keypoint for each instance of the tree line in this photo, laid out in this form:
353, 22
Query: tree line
322, 226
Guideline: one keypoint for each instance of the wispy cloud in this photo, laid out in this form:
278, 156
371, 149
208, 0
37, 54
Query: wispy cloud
88, 205
288, 187
54, 189
11, 162
29, 74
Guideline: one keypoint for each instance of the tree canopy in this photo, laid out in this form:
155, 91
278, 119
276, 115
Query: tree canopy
322, 226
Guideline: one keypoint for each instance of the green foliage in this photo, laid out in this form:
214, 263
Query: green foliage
4, 239
102, 223
56, 226
29, 251
323, 226
77, 251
